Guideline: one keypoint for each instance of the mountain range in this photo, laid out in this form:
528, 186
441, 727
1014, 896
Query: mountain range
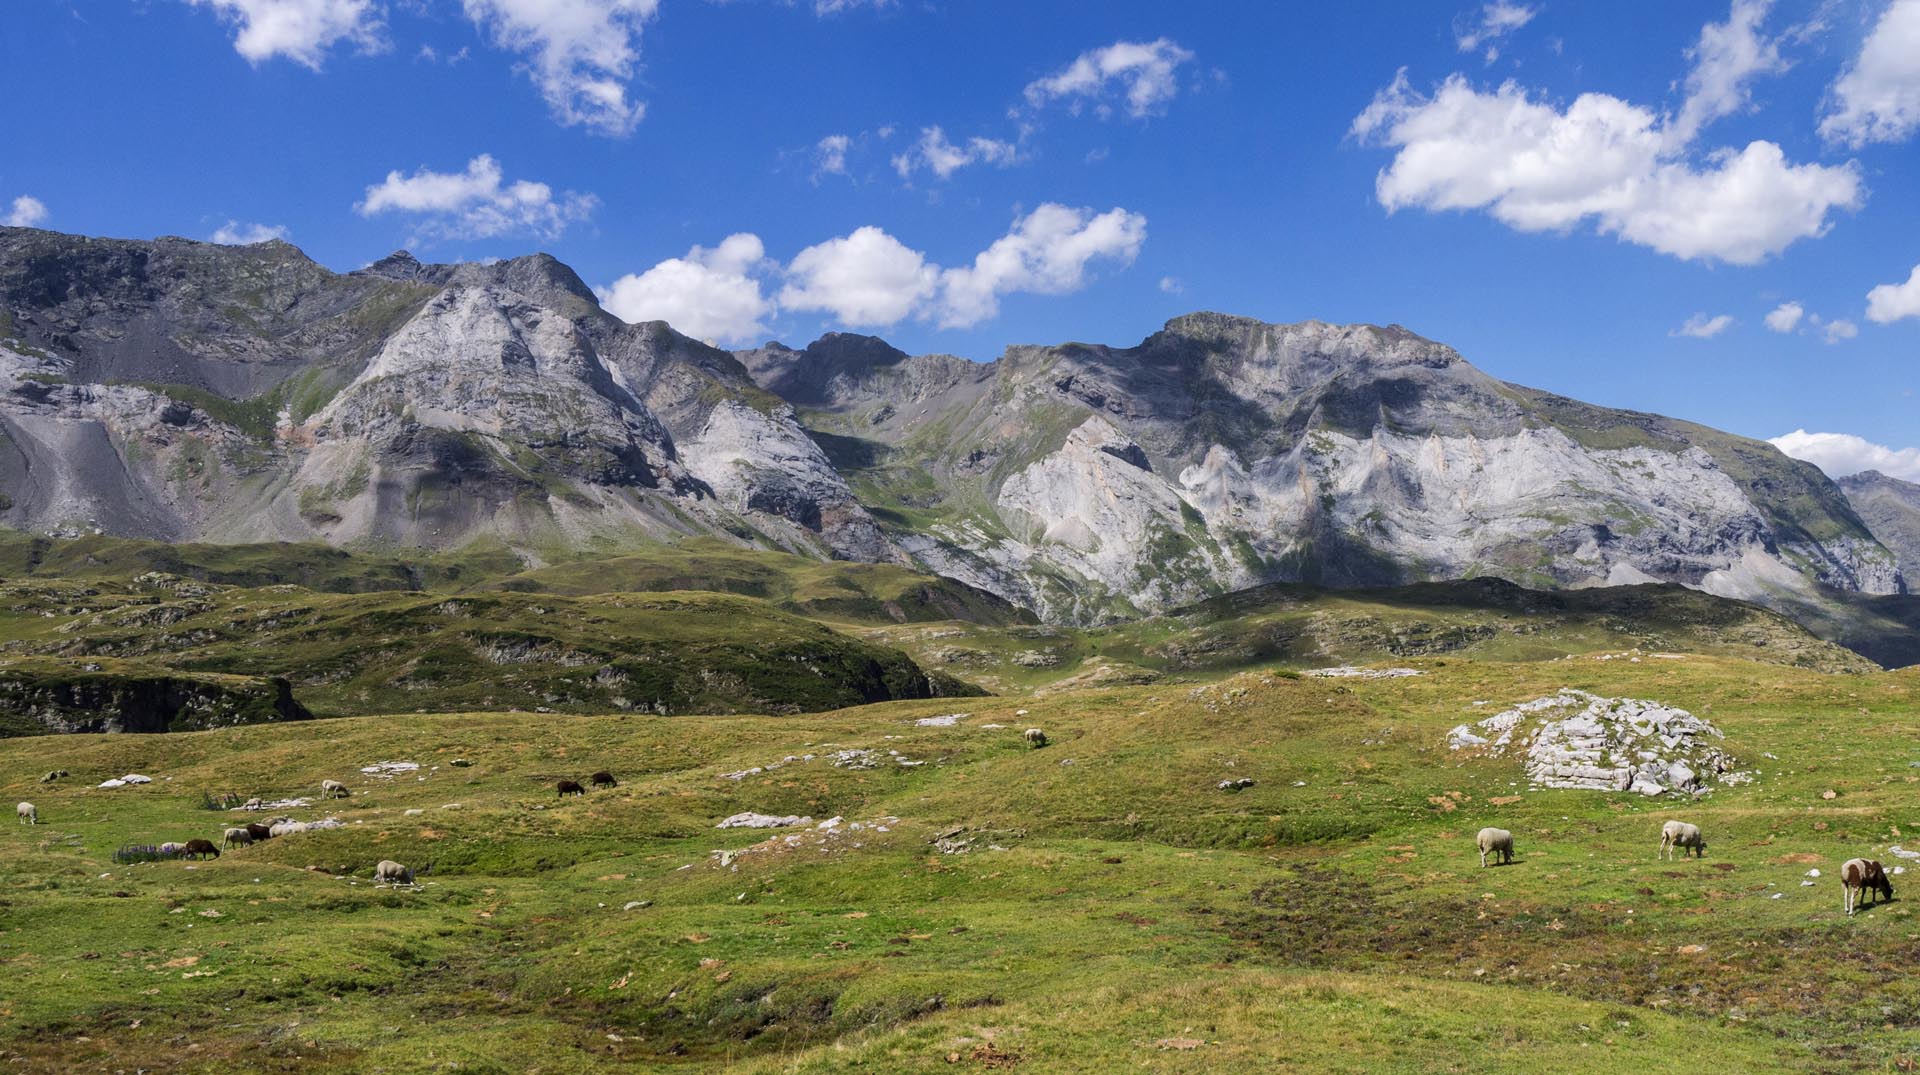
186, 391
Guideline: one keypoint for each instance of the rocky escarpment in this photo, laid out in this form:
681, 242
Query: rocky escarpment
1091, 482
182, 390
1891, 509
42, 696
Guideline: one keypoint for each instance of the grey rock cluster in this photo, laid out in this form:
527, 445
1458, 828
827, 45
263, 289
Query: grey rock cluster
1578, 740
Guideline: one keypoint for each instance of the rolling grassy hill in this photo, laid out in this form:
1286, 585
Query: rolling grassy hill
1111, 908
403, 650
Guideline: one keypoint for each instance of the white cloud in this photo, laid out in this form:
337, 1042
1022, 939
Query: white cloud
1494, 21
1878, 98
1885, 304
836, 7
580, 53
1046, 253
1729, 56
1145, 72
866, 279
709, 294
935, 154
1702, 327
27, 212
476, 204
871, 279
301, 30
1842, 454
1537, 167
1839, 329
830, 155
1172, 285
234, 233
1785, 317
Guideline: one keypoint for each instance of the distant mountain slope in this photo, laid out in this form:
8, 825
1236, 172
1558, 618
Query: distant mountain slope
188, 392
1091, 482
1891, 509
180, 390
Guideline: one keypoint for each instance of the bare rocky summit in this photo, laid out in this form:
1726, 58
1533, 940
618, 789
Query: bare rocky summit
187, 391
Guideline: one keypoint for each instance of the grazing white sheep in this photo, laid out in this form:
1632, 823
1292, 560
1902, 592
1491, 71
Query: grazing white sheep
1036, 738
1495, 842
286, 828
172, 848
239, 837
28, 815
333, 789
1861, 878
392, 873
1682, 837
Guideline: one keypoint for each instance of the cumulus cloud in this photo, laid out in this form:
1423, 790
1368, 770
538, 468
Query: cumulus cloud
935, 154
1538, 167
27, 211
1885, 304
301, 30
580, 53
1143, 73
476, 203
1839, 329
234, 233
830, 155
1785, 317
709, 294
1728, 57
1172, 285
1046, 253
869, 279
1702, 327
1878, 98
866, 279
1842, 454
1491, 22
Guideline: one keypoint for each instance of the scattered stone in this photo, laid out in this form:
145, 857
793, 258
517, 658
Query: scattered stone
1348, 671
461, 763
1234, 785
1829, 794
388, 769
945, 720
750, 820
856, 759
634, 905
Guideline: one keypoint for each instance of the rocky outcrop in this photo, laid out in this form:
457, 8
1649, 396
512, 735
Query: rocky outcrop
45, 697
1578, 740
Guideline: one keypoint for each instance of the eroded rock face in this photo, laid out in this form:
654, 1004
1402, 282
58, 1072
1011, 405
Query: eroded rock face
1583, 741
77, 700
408, 404
1091, 482
182, 390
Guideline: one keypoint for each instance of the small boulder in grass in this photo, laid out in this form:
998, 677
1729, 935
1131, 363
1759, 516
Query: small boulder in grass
1829, 794
461, 763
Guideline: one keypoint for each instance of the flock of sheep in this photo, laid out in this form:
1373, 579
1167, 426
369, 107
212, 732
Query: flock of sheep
388, 871
1861, 879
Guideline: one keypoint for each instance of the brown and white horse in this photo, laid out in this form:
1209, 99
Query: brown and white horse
1862, 878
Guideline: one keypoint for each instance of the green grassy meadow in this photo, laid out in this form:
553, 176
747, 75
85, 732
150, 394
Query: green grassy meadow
1112, 909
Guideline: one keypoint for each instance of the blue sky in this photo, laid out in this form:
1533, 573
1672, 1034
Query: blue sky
1607, 200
